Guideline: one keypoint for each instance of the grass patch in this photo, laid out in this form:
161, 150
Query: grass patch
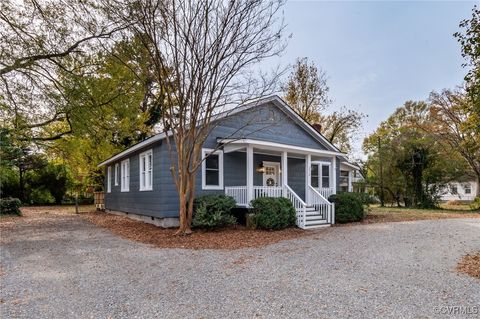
397, 214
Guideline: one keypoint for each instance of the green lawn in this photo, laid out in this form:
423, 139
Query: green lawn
386, 214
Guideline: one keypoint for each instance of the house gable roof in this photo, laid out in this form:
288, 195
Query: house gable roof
274, 99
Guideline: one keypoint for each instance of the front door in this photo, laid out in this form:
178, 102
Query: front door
271, 174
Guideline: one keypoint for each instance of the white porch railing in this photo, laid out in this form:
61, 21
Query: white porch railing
325, 191
267, 191
321, 204
239, 193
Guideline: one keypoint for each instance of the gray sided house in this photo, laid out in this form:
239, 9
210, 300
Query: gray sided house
262, 148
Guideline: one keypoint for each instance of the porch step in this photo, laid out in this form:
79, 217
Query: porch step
315, 218
312, 226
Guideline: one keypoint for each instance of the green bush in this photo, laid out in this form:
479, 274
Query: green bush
365, 198
10, 206
273, 213
475, 205
348, 208
41, 196
213, 211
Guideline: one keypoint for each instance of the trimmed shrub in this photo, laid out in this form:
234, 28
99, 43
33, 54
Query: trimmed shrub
213, 211
348, 208
10, 206
273, 213
475, 205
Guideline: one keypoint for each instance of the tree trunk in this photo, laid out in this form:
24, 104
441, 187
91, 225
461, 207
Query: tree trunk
184, 227
21, 185
191, 198
478, 186
382, 194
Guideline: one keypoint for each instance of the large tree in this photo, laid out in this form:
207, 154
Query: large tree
340, 127
469, 39
306, 90
454, 122
203, 56
405, 160
43, 41
110, 109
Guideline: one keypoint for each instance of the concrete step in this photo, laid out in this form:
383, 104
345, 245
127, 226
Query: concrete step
310, 226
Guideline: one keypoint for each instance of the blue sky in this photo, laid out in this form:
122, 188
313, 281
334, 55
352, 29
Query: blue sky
378, 54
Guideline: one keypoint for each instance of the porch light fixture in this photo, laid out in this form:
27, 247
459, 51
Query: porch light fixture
260, 168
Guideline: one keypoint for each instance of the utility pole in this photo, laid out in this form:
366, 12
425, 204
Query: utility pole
380, 162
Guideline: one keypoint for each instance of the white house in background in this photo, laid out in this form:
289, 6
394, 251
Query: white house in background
349, 175
464, 191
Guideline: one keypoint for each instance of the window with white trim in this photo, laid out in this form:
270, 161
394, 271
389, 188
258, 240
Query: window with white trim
125, 175
109, 179
314, 176
467, 188
212, 169
116, 174
325, 176
453, 189
146, 170
320, 175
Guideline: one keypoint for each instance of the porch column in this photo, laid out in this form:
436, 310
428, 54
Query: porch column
284, 168
308, 179
249, 174
350, 177
334, 174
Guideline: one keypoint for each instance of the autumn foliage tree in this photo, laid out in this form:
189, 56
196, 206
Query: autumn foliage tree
406, 161
453, 122
306, 91
469, 39
40, 41
202, 56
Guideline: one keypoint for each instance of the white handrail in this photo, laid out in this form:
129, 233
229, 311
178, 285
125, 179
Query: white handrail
321, 204
317, 195
299, 204
325, 191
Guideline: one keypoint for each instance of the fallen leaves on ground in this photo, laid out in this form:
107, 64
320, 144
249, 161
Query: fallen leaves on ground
231, 238
470, 264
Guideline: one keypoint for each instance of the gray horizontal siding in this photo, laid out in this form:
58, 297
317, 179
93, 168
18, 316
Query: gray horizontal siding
136, 201
235, 167
296, 176
264, 122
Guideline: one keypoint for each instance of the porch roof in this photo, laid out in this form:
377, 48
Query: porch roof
350, 166
231, 145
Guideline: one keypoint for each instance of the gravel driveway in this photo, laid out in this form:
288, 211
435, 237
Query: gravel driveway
65, 267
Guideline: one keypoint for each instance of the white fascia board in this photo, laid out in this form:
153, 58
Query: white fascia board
134, 148
350, 165
279, 146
